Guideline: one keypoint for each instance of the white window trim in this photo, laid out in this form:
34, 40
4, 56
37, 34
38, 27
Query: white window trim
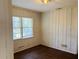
22, 28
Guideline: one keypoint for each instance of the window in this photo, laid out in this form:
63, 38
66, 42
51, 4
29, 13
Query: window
22, 27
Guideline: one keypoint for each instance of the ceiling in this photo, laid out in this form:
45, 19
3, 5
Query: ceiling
37, 5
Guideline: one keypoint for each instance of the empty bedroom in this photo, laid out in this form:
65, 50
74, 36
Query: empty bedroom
38, 29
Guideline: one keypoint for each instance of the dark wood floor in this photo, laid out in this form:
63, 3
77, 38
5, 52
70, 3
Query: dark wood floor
42, 52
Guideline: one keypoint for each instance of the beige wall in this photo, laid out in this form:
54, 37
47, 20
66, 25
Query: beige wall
30, 42
59, 27
6, 42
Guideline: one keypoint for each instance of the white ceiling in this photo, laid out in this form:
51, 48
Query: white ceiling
37, 5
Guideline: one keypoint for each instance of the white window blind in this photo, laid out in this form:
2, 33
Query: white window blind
22, 27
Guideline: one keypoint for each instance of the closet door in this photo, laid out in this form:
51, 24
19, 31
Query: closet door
54, 29
74, 30
67, 40
68, 29
61, 29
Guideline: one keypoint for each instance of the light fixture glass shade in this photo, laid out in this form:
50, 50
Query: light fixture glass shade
45, 1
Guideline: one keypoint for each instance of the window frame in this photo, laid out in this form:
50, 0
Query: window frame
21, 28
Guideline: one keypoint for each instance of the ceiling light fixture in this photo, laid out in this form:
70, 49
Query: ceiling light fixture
45, 1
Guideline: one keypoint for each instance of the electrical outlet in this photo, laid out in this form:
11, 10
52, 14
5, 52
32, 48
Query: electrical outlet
63, 45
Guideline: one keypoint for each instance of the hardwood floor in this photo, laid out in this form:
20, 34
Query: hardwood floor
43, 52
